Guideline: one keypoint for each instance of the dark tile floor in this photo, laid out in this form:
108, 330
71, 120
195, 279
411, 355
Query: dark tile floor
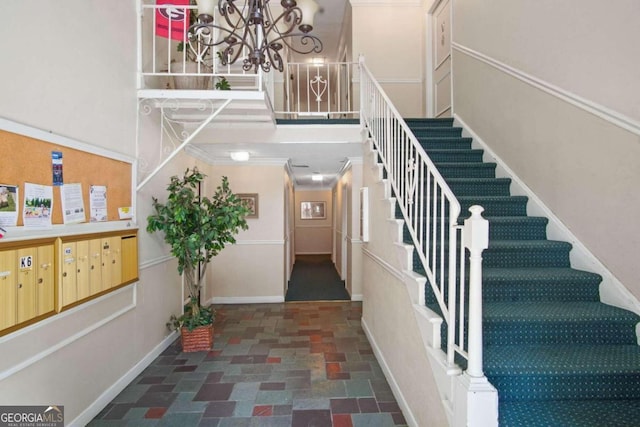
293, 364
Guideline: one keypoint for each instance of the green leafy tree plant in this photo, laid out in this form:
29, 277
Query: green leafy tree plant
197, 228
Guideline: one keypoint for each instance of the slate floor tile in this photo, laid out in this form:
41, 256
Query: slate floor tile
272, 365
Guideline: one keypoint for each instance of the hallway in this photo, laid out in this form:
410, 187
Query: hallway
291, 364
314, 278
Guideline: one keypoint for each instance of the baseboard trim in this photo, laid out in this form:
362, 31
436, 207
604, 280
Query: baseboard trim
247, 300
116, 388
395, 388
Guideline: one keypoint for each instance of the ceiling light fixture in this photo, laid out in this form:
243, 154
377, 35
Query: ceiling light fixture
316, 177
251, 30
239, 156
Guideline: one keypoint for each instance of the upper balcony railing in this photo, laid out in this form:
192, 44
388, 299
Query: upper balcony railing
319, 90
166, 62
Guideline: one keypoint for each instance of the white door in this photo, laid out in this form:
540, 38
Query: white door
440, 60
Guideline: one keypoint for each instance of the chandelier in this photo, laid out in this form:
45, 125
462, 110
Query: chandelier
255, 31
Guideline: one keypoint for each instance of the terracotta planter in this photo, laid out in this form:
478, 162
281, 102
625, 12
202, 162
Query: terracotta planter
200, 339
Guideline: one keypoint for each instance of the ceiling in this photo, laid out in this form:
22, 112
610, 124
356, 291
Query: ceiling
327, 26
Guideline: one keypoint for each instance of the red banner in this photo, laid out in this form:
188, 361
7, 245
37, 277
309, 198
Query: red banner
172, 18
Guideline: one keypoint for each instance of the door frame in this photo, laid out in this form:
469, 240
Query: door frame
430, 55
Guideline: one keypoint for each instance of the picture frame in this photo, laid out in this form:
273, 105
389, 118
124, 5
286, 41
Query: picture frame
251, 199
313, 210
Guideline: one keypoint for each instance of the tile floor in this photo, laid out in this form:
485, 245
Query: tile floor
293, 364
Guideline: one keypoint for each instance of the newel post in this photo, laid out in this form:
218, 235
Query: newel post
476, 240
475, 399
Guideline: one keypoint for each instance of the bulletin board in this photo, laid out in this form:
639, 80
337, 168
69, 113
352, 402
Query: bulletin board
26, 159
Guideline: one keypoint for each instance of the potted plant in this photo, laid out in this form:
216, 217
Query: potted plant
197, 228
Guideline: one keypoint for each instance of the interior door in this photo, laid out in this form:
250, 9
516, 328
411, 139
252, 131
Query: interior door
441, 60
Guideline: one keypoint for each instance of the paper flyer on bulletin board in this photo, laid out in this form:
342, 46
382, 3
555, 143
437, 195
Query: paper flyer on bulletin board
56, 168
38, 205
72, 204
98, 203
9, 198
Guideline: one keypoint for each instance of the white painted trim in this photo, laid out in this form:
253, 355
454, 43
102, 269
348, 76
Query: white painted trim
247, 300
53, 138
385, 265
356, 297
155, 261
314, 226
25, 233
259, 242
67, 341
400, 81
116, 388
395, 388
594, 108
612, 291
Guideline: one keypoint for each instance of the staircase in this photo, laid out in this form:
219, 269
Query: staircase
556, 354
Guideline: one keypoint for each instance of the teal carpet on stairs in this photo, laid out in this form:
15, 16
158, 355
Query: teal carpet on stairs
556, 354
314, 278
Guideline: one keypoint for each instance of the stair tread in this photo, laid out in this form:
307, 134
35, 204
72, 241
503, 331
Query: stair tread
493, 198
580, 311
562, 359
477, 180
538, 273
583, 413
528, 244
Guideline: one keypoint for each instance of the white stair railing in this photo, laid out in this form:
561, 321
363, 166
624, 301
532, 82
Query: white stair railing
322, 90
431, 213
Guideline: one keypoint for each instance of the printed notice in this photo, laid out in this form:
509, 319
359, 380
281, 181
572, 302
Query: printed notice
98, 203
72, 203
56, 166
8, 205
38, 204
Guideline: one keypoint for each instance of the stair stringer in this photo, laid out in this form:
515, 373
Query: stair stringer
457, 393
612, 291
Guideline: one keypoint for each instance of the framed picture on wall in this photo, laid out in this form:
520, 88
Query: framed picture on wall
313, 210
251, 200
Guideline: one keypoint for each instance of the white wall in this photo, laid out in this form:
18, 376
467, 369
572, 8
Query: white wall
583, 167
70, 68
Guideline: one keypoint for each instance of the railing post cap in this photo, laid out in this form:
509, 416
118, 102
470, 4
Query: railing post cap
476, 230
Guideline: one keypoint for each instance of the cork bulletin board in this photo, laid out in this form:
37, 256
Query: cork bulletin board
25, 159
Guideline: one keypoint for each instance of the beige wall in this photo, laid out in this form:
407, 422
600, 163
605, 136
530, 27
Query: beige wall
388, 313
84, 88
394, 53
252, 269
313, 236
582, 167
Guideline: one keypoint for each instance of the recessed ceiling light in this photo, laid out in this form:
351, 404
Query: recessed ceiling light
240, 156
316, 177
